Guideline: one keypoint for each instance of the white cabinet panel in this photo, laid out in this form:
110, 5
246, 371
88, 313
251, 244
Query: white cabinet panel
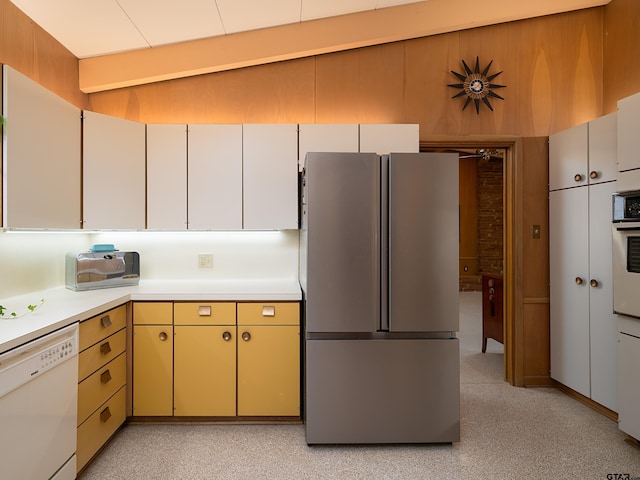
270, 181
603, 149
568, 157
215, 177
41, 156
569, 257
315, 137
389, 138
628, 132
629, 359
114, 172
583, 326
602, 320
167, 177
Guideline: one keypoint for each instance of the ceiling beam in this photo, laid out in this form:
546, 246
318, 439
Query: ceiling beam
305, 39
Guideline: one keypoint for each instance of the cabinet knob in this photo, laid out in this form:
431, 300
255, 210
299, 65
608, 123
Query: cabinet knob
226, 336
105, 348
593, 282
593, 174
106, 321
105, 415
577, 177
162, 336
246, 336
579, 281
105, 376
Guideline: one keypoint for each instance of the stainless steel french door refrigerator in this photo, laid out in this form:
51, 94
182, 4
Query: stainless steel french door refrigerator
379, 273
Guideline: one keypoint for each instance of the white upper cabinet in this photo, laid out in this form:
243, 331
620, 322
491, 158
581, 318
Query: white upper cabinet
584, 154
114, 173
568, 157
628, 133
603, 149
321, 137
41, 156
389, 138
270, 181
167, 177
215, 177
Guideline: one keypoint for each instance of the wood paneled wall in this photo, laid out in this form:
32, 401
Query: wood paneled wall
560, 70
33, 52
552, 67
621, 70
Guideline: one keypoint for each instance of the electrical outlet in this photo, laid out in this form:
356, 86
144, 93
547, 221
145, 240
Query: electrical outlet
205, 260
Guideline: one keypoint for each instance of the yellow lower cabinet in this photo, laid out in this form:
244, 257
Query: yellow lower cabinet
96, 430
268, 370
205, 370
152, 370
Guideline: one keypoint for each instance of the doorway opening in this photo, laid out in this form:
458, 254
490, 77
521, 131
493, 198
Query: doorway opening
482, 245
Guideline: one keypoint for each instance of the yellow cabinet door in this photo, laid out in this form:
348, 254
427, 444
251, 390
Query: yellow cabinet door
268, 370
205, 370
152, 370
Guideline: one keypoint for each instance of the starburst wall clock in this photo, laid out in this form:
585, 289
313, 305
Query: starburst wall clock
476, 85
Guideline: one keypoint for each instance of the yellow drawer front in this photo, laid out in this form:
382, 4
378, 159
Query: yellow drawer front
269, 313
94, 390
152, 313
204, 369
101, 353
93, 433
192, 313
101, 326
153, 370
269, 371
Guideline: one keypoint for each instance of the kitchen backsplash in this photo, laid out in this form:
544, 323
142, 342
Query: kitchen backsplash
32, 261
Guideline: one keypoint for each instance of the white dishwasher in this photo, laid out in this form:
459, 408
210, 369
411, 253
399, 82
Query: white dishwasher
39, 407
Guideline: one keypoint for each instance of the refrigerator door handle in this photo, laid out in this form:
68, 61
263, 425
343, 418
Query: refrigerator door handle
384, 244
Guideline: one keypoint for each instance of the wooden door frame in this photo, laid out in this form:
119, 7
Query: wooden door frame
513, 251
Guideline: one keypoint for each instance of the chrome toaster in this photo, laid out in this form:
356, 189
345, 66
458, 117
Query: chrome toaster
101, 269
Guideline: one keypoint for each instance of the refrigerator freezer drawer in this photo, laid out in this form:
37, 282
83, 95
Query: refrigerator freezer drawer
382, 391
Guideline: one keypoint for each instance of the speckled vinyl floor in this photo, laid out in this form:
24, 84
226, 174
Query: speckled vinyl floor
506, 433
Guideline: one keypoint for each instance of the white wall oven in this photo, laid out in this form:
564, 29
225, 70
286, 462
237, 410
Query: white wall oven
626, 253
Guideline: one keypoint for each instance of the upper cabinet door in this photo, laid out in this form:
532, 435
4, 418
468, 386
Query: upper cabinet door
603, 149
628, 132
215, 177
41, 156
316, 137
568, 158
167, 177
270, 183
114, 172
389, 138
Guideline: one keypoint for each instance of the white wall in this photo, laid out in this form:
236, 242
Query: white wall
32, 261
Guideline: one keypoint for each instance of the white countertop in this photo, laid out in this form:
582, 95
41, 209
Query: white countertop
63, 307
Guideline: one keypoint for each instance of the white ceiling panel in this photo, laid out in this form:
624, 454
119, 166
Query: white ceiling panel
241, 15
91, 28
162, 22
85, 27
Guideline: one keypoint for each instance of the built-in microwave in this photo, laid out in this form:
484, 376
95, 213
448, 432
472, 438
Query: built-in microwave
626, 253
626, 207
